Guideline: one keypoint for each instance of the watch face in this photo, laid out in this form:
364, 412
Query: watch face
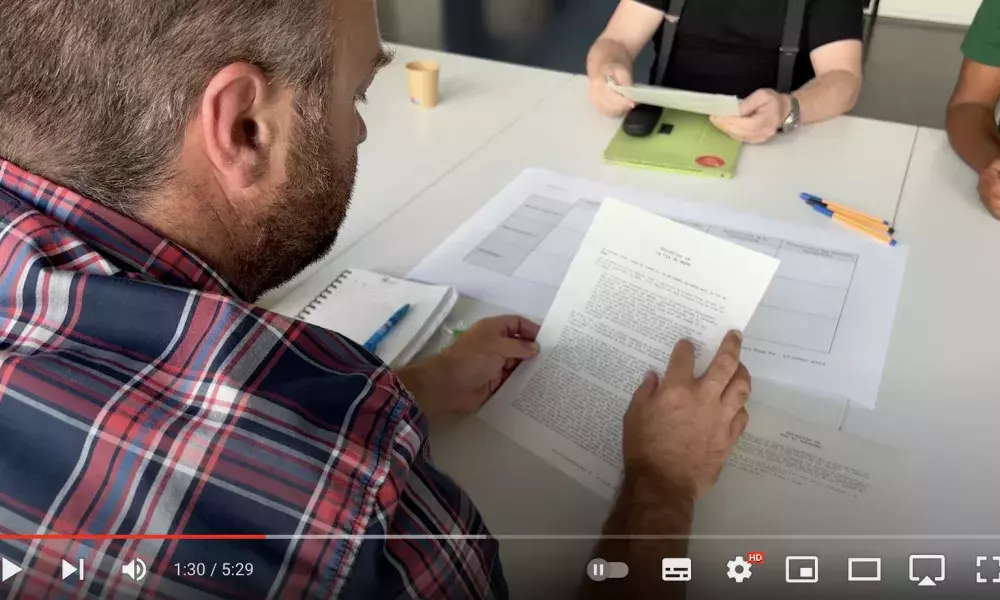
792, 122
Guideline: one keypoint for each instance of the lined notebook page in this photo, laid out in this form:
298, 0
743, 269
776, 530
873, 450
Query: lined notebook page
359, 302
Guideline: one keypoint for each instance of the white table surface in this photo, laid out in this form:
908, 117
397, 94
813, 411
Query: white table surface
859, 162
410, 148
856, 161
940, 396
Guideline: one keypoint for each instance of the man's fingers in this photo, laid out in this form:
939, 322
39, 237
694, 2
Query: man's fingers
739, 128
621, 75
755, 102
680, 369
514, 326
738, 391
648, 385
511, 348
738, 426
725, 364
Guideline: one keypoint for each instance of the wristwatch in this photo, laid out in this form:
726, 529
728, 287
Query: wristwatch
794, 117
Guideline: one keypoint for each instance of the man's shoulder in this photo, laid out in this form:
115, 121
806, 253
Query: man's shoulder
147, 394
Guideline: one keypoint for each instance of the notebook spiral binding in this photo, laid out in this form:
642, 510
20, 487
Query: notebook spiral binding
330, 289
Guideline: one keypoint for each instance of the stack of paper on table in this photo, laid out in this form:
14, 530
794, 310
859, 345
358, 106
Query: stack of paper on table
824, 323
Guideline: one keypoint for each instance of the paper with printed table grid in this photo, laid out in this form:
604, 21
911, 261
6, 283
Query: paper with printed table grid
824, 324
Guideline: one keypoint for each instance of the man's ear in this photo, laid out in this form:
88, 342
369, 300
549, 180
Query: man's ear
237, 123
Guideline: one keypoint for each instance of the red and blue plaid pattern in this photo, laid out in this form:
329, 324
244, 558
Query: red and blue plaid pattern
138, 395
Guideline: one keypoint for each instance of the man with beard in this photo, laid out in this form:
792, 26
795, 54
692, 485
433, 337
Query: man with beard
163, 164
793, 62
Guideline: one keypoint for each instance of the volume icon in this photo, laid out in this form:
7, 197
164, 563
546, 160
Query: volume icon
135, 569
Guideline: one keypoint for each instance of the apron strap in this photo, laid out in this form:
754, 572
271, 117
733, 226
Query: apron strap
790, 39
666, 47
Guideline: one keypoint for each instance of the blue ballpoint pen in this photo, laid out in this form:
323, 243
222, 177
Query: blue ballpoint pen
373, 342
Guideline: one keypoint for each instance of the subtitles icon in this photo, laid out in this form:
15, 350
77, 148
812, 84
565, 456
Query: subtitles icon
927, 569
676, 569
801, 569
864, 569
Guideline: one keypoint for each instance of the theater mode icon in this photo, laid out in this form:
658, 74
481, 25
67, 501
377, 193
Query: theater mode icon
864, 569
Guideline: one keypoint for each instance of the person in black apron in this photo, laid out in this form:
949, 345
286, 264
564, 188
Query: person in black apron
793, 62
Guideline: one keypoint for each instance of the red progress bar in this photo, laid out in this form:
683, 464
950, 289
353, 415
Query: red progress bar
97, 536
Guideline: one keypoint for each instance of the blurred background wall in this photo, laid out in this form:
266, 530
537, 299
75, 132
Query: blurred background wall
912, 58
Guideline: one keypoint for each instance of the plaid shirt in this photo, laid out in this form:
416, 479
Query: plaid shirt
138, 395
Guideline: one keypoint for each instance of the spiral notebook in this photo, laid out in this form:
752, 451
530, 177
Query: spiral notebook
359, 302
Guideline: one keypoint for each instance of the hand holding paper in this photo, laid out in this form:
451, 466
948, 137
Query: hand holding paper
466, 374
760, 117
639, 285
603, 95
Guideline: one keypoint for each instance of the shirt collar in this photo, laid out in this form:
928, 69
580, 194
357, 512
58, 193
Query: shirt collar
131, 246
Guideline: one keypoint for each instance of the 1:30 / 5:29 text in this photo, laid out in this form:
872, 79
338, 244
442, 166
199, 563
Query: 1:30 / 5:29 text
224, 569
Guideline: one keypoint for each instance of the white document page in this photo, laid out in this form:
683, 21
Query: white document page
824, 324
696, 102
627, 300
795, 477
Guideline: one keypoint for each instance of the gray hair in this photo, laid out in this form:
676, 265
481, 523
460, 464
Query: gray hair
95, 95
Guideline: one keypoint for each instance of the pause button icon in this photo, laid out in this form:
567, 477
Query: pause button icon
600, 569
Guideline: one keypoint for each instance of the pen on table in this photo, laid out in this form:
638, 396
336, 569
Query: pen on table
847, 211
875, 234
878, 227
373, 342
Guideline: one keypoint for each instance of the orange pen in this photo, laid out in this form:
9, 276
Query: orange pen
871, 221
878, 235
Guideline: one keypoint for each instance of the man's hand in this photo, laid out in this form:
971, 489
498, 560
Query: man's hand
763, 113
608, 101
678, 434
989, 188
682, 429
466, 374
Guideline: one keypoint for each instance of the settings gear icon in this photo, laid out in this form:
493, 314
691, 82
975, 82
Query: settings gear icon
739, 569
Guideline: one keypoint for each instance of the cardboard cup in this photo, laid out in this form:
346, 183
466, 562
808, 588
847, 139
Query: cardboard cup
424, 77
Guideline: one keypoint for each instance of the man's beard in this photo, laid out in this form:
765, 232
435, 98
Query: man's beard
308, 212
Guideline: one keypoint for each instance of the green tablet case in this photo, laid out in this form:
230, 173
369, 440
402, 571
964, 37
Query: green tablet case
683, 142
